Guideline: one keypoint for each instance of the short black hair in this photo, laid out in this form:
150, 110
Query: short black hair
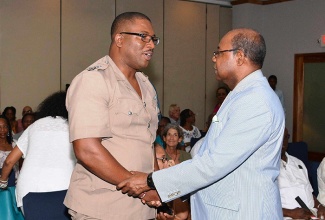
9, 135
53, 105
126, 16
273, 77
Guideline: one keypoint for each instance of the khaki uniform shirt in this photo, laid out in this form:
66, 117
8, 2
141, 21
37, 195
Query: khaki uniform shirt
102, 103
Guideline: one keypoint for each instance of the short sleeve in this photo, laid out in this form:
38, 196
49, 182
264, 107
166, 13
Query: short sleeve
87, 104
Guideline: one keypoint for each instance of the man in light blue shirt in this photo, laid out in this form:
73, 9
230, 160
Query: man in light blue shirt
234, 174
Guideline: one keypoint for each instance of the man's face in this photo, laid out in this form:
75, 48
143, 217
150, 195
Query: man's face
225, 62
27, 109
175, 113
135, 53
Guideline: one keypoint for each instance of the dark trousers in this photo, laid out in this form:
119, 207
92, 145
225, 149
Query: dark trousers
48, 205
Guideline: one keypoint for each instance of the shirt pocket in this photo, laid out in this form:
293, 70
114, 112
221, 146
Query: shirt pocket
128, 118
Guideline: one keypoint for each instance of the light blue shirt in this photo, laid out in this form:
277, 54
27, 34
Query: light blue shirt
234, 174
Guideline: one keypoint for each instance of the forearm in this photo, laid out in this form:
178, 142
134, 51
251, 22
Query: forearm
10, 161
99, 161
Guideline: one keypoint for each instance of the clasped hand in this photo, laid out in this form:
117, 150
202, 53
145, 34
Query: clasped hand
136, 186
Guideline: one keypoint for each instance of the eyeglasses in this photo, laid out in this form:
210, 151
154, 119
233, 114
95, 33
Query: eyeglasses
218, 52
163, 159
144, 37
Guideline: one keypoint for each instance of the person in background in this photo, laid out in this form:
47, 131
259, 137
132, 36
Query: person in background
222, 93
174, 114
27, 120
234, 174
189, 130
197, 142
117, 133
26, 109
273, 81
173, 135
10, 113
48, 162
294, 182
161, 126
321, 182
6, 146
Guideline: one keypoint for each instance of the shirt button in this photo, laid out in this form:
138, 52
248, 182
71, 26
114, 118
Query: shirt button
144, 104
148, 125
129, 113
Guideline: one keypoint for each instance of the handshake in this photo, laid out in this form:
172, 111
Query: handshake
137, 186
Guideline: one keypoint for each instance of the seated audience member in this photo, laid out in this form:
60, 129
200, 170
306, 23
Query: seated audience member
6, 146
173, 136
174, 111
222, 93
10, 113
321, 182
187, 125
27, 120
293, 182
161, 126
48, 162
26, 109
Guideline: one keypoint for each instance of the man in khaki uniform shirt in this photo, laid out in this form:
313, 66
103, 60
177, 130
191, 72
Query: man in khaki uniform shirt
113, 118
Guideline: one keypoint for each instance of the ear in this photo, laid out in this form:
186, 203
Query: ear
240, 57
118, 39
180, 140
164, 138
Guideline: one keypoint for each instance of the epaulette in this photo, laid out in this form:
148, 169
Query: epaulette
99, 67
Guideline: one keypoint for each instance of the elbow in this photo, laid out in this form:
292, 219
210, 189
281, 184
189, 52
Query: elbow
9, 163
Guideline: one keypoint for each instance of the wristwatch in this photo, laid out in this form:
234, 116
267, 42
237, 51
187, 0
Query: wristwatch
150, 182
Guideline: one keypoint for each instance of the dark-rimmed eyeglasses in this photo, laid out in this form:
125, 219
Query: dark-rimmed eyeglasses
218, 52
144, 37
163, 159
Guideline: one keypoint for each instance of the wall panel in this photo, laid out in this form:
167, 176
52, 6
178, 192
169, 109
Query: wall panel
85, 34
29, 52
184, 56
212, 39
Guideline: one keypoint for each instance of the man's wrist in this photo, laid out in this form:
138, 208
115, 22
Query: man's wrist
150, 182
320, 204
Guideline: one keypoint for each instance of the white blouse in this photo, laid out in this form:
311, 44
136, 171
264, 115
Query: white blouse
49, 157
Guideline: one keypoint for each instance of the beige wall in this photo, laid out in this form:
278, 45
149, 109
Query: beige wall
44, 44
289, 28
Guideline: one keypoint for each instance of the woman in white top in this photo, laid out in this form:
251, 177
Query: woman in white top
48, 162
190, 131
